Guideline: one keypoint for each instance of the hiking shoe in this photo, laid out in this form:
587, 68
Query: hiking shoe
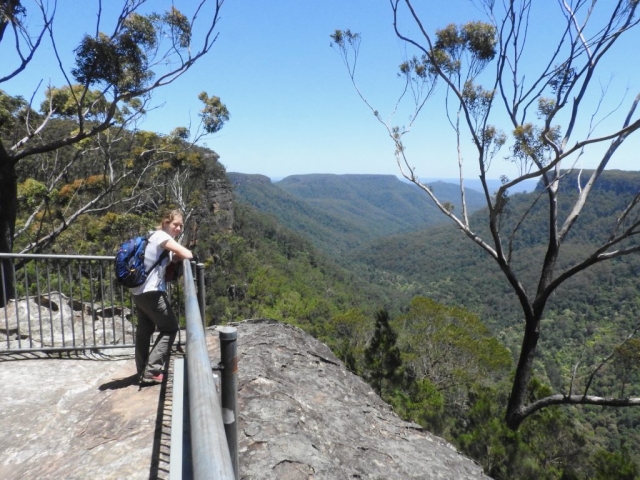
152, 379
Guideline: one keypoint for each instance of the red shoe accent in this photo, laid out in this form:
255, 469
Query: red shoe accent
152, 380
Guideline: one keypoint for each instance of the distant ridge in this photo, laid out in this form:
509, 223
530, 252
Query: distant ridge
449, 268
472, 183
492, 183
341, 212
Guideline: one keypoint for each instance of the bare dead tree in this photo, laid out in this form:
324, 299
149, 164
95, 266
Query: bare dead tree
25, 42
546, 103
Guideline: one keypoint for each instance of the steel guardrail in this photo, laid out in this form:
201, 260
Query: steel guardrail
61, 303
209, 450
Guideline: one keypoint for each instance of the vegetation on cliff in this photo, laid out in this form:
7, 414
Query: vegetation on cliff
458, 334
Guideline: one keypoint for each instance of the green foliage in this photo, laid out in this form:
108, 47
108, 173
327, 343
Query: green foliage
347, 336
67, 101
480, 39
485, 437
421, 402
476, 39
381, 357
107, 174
531, 143
32, 192
342, 38
548, 446
561, 79
585, 321
10, 108
120, 60
263, 270
618, 465
476, 98
465, 275
449, 346
627, 363
180, 132
447, 354
214, 114
179, 27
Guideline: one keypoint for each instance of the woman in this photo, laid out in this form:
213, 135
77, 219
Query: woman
152, 302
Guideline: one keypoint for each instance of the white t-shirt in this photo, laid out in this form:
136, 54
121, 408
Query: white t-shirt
155, 279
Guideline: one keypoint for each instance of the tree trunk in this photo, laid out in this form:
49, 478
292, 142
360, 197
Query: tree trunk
519, 389
8, 208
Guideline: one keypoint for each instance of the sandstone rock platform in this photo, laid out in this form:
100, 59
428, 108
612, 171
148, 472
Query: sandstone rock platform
302, 415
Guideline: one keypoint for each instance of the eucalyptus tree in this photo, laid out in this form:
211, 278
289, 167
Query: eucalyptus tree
532, 91
115, 172
449, 347
109, 85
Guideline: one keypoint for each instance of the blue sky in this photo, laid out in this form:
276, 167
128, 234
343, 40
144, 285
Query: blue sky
293, 108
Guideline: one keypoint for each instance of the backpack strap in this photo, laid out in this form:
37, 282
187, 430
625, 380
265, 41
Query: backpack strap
163, 255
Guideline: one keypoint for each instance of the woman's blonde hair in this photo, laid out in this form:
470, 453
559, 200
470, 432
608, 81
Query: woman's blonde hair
168, 216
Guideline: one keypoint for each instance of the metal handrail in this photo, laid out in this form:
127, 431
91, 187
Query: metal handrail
209, 450
84, 325
48, 256
101, 315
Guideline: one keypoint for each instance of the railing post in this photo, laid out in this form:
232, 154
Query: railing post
229, 390
177, 425
201, 292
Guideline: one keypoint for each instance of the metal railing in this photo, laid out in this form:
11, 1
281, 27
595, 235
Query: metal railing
66, 302
211, 435
73, 302
58, 302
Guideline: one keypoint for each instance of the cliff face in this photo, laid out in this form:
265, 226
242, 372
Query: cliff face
219, 204
302, 415
213, 212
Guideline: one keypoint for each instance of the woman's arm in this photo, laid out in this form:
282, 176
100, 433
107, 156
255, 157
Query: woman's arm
178, 250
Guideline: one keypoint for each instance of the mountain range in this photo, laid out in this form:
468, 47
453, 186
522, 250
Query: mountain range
341, 212
390, 234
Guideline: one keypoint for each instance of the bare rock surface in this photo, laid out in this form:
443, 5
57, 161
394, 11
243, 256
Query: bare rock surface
75, 418
302, 415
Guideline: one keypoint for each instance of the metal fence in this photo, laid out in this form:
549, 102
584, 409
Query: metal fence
212, 419
66, 302
73, 302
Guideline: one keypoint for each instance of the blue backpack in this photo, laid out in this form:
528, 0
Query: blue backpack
130, 270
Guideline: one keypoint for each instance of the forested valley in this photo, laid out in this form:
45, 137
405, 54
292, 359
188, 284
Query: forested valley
441, 341
361, 263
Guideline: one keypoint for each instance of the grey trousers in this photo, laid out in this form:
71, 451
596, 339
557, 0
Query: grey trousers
154, 310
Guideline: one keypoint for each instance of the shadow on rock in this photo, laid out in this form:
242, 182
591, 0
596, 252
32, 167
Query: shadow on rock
91, 355
120, 383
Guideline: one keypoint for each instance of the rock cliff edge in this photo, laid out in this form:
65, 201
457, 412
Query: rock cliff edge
302, 415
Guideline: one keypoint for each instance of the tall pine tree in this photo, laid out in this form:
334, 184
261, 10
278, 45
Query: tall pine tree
382, 357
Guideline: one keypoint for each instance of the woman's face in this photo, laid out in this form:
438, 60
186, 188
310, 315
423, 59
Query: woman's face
174, 226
